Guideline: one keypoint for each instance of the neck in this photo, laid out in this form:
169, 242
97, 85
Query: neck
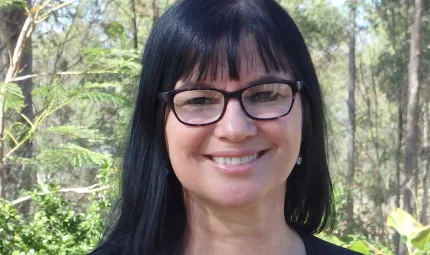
255, 229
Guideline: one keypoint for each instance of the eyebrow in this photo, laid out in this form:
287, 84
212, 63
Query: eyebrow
203, 85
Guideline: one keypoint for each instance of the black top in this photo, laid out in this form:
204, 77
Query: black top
316, 246
313, 246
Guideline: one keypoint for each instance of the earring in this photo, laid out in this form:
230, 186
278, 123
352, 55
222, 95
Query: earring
299, 161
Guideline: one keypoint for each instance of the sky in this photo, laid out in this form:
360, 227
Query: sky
338, 2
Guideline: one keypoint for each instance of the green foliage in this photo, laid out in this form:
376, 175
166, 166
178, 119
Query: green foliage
413, 233
358, 244
66, 155
11, 226
74, 149
323, 35
61, 96
114, 29
12, 93
59, 226
80, 118
11, 3
92, 136
113, 61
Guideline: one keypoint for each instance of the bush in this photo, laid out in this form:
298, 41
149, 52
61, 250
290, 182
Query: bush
59, 226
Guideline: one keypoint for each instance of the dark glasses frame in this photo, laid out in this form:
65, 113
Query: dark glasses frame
168, 98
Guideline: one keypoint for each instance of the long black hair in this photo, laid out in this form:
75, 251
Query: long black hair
190, 37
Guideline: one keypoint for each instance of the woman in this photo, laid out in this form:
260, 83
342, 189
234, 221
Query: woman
227, 152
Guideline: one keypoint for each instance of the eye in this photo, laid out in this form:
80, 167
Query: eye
198, 101
198, 98
265, 96
268, 93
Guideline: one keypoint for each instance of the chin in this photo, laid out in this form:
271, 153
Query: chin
238, 196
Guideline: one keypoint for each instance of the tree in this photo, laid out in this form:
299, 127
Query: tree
351, 115
133, 24
412, 106
155, 11
412, 109
426, 152
13, 19
17, 28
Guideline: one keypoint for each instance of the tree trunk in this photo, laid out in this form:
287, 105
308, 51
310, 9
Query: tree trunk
15, 20
412, 107
155, 12
351, 115
133, 24
392, 15
426, 139
425, 203
3, 169
400, 103
412, 110
28, 175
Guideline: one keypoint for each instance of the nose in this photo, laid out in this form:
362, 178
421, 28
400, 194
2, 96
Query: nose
235, 126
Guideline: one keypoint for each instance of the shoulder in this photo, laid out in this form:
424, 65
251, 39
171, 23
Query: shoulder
317, 246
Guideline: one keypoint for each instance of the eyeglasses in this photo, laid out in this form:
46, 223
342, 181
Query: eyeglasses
203, 106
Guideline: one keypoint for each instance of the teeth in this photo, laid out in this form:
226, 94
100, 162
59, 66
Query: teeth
228, 161
235, 161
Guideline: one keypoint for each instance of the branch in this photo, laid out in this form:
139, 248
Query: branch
45, 114
56, 8
10, 135
27, 119
81, 190
26, 32
21, 78
34, 126
27, 29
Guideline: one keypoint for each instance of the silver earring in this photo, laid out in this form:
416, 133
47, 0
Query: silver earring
299, 160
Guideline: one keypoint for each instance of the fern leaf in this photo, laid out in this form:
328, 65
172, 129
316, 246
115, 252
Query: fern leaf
99, 97
73, 155
77, 132
101, 85
14, 96
50, 91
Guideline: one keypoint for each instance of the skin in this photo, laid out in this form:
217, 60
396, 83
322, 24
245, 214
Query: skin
233, 214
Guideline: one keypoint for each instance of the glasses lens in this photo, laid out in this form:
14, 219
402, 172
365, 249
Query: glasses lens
268, 100
198, 106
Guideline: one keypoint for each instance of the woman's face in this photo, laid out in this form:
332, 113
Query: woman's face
275, 142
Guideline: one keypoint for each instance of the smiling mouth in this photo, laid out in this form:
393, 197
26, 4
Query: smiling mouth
236, 160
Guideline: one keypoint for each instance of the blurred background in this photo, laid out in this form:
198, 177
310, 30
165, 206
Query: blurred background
68, 78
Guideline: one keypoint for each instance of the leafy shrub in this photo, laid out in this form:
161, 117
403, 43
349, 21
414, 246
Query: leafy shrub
58, 227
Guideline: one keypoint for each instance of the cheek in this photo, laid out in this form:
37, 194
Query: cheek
286, 135
184, 143
286, 132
